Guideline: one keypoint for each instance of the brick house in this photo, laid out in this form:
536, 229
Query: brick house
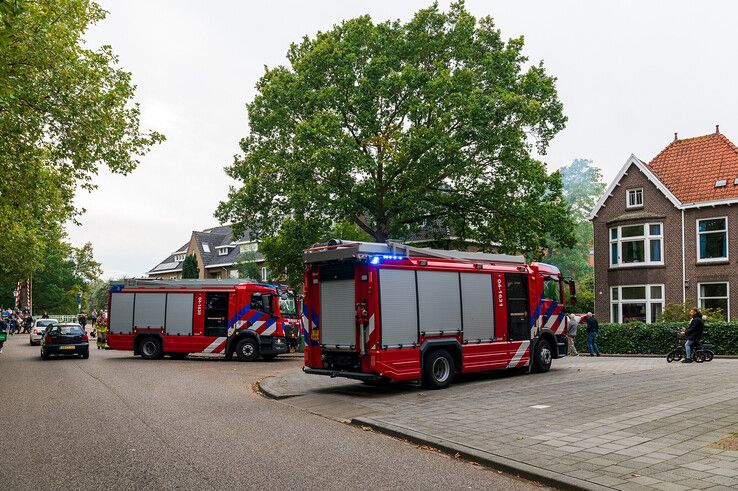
667, 232
216, 251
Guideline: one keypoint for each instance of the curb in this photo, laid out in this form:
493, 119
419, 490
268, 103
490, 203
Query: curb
270, 393
497, 462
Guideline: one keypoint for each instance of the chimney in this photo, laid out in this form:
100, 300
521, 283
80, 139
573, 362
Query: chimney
675, 136
717, 129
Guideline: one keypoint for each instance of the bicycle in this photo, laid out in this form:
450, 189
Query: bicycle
700, 352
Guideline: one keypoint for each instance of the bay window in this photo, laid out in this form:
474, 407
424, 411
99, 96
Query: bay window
714, 296
712, 239
631, 303
637, 245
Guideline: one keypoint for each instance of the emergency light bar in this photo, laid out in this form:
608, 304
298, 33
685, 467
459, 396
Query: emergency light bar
379, 259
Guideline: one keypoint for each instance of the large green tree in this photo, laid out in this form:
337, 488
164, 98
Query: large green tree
391, 126
190, 270
65, 110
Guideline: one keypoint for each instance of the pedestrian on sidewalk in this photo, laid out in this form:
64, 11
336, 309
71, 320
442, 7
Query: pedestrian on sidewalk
693, 333
593, 329
571, 334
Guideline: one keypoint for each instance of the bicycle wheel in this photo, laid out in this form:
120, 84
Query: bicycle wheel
698, 356
709, 355
670, 357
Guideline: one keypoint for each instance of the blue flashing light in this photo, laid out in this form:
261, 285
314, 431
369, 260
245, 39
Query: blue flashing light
116, 288
378, 259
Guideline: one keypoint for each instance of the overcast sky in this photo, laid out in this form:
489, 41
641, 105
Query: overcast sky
630, 74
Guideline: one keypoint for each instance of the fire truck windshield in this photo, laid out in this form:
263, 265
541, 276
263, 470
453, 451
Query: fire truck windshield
287, 306
552, 288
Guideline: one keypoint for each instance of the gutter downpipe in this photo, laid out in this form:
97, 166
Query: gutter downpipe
684, 266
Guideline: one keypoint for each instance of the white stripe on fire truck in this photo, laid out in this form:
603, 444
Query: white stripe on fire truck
370, 330
518, 354
270, 329
212, 346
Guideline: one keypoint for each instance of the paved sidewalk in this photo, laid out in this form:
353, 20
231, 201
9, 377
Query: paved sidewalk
620, 423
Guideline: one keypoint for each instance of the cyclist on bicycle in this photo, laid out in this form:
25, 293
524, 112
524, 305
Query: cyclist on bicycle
693, 333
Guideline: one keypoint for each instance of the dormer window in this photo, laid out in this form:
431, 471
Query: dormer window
223, 251
634, 198
179, 257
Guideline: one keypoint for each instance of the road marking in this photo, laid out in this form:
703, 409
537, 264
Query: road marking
539, 406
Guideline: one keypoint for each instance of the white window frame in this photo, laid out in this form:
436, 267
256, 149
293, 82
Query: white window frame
648, 300
180, 257
222, 251
646, 238
700, 298
635, 192
727, 240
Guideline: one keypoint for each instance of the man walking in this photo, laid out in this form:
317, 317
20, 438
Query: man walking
571, 334
593, 328
693, 333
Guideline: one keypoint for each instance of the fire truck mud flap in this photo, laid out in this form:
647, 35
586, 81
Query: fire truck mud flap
368, 377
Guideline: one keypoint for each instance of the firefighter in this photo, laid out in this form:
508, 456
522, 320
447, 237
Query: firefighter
102, 333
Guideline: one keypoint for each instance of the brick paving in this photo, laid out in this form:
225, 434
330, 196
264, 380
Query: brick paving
620, 423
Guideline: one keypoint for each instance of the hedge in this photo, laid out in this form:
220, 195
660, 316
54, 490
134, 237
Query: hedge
639, 338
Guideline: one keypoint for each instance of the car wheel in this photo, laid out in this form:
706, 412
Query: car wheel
542, 356
438, 370
247, 350
85, 355
150, 348
44, 355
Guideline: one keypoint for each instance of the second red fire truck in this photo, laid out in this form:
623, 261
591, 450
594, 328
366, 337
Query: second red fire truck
379, 312
154, 318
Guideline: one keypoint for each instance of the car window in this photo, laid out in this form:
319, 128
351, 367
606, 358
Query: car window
64, 330
45, 322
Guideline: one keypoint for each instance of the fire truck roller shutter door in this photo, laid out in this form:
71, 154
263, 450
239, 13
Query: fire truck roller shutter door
120, 317
149, 310
337, 313
439, 302
478, 307
399, 308
179, 313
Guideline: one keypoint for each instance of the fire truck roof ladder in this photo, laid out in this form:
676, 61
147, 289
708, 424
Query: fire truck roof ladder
187, 283
339, 250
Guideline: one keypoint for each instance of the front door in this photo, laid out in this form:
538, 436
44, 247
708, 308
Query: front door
516, 286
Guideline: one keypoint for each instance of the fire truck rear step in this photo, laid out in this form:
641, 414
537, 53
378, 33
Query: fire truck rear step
369, 377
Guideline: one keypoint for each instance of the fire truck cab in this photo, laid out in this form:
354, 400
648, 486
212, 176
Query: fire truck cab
378, 312
154, 318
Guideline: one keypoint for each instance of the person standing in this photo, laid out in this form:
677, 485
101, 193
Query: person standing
571, 334
693, 334
3, 332
93, 317
593, 329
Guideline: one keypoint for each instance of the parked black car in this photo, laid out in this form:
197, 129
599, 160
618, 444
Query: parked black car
65, 339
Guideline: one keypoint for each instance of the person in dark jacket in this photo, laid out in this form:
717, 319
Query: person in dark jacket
693, 333
593, 328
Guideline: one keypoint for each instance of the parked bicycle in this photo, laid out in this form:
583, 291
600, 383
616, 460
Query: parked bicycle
700, 352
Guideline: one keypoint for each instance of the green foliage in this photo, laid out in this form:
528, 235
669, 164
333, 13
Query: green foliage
392, 126
677, 312
639, 338
585, 293
65, 110
96, 296
190, 270
66, 271
248, 267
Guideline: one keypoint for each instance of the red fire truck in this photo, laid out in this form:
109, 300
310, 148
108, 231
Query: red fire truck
178, 317
380, 312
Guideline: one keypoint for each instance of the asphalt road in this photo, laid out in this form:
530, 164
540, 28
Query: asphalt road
118, 422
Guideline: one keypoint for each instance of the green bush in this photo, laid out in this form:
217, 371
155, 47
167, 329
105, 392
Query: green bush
677, 312
639, 338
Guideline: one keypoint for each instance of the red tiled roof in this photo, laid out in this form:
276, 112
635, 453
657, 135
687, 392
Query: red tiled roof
690, 168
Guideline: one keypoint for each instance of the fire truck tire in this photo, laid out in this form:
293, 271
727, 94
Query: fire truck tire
438, 370
150, 348
247, 350
542, 356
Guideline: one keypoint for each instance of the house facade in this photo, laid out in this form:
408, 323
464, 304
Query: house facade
666, 232
216, 250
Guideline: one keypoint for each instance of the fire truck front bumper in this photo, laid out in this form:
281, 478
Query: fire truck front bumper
369, 377
272, 345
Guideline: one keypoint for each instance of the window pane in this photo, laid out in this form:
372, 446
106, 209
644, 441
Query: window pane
633, 252
634, 312
614, 233
656, 250
551, 289
614, 293
613, 254
632, 231
712, 224
634, 292
655, 312
715, 303
614, 313
656, 293
714, 290
655, 229
713, 245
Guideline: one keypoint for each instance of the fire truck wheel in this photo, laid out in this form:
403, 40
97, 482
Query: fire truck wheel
247, 350
150, 348
542, 356
438, 370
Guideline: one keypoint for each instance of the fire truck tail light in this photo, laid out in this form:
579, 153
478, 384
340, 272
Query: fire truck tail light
315, 335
